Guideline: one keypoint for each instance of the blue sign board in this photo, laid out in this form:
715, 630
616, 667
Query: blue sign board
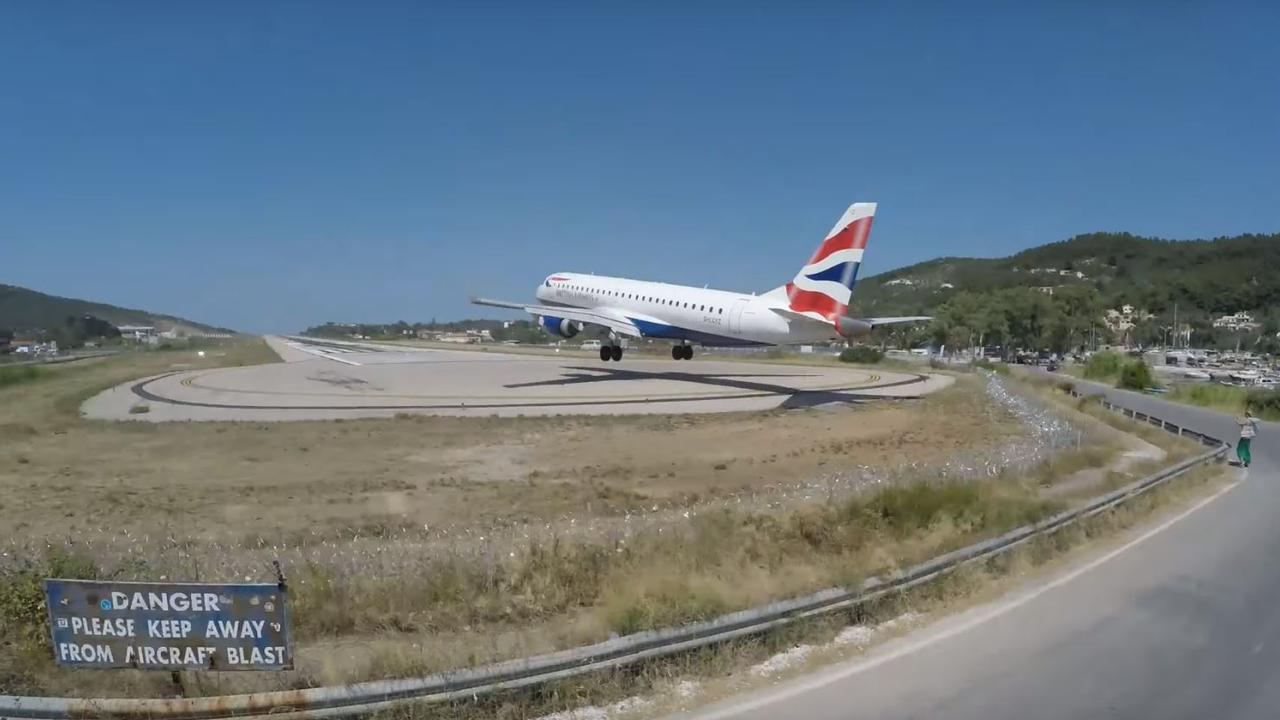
168, 626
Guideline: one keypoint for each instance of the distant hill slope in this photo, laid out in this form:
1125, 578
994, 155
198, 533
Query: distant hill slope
1212, 276
24, 311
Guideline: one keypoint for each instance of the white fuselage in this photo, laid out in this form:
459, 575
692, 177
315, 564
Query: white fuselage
677, 312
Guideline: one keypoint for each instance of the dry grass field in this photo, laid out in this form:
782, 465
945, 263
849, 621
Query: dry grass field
416, 543
61, 475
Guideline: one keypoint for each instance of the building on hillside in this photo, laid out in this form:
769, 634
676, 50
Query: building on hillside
466, 337
1117, 321
1047, 289
137, 332
1239, 321
176, 334
901, 281
1125, 318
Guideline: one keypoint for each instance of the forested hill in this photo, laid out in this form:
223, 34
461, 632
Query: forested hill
1213, 276
28, 311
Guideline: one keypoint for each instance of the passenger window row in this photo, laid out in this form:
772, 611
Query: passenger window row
643, 298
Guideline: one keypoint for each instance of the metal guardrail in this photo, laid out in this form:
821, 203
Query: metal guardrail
373, 696
1144, 417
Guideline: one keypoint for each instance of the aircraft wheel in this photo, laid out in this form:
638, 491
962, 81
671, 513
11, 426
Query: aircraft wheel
676, 352
688, 352
616, 352
605, 353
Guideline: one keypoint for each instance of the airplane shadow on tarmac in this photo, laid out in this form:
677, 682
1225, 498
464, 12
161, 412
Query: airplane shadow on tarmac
796, 397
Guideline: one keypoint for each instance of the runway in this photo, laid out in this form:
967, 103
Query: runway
329, 380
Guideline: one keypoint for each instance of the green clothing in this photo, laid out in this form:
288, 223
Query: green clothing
1242, 451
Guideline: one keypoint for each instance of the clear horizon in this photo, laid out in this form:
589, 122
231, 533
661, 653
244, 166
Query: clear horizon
266, 168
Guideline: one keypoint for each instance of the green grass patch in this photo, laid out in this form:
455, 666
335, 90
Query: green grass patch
1228, 398
14, 375
995, 367
1210, 395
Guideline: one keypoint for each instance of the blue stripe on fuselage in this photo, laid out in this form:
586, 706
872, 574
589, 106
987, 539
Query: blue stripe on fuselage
674, 332
665, 331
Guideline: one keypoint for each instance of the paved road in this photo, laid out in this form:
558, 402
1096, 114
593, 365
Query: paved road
1184, 624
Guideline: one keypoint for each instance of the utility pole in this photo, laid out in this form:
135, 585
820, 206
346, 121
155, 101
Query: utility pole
1175, 323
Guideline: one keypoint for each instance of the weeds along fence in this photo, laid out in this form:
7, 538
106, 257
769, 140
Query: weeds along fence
374, 696
1153, 420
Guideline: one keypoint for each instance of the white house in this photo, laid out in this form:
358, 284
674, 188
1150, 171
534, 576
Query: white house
1240, 320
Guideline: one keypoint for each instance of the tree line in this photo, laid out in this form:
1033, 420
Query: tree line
522, 331
1073, 319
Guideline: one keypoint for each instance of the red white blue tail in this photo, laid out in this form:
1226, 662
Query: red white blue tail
825, 283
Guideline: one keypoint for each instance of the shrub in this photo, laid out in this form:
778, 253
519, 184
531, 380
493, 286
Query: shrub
1135, 376
1264, 403
861, 354
1103, 365
22, 613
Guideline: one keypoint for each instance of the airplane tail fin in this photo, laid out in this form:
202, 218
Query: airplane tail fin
825, 283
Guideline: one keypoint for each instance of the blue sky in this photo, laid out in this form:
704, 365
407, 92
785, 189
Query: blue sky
268, 166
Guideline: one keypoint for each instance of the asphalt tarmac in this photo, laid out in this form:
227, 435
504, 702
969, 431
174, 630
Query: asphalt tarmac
325, 380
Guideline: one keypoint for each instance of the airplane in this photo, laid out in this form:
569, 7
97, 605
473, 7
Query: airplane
812, 308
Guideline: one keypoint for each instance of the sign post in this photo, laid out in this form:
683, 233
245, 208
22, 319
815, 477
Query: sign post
169, 626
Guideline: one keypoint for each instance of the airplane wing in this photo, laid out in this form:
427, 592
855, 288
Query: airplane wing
880, 321
602, 317
874, 322
801, 316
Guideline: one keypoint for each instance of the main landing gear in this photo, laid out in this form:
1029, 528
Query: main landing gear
610, 352
681, 352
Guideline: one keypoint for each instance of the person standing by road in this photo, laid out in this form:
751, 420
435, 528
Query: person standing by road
1248, 431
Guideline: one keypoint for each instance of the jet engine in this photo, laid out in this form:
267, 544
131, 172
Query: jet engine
559, 327
852, 327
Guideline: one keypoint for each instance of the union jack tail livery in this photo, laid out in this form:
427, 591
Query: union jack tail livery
825, 283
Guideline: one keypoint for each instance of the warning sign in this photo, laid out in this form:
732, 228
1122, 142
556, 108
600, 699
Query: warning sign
168, 626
